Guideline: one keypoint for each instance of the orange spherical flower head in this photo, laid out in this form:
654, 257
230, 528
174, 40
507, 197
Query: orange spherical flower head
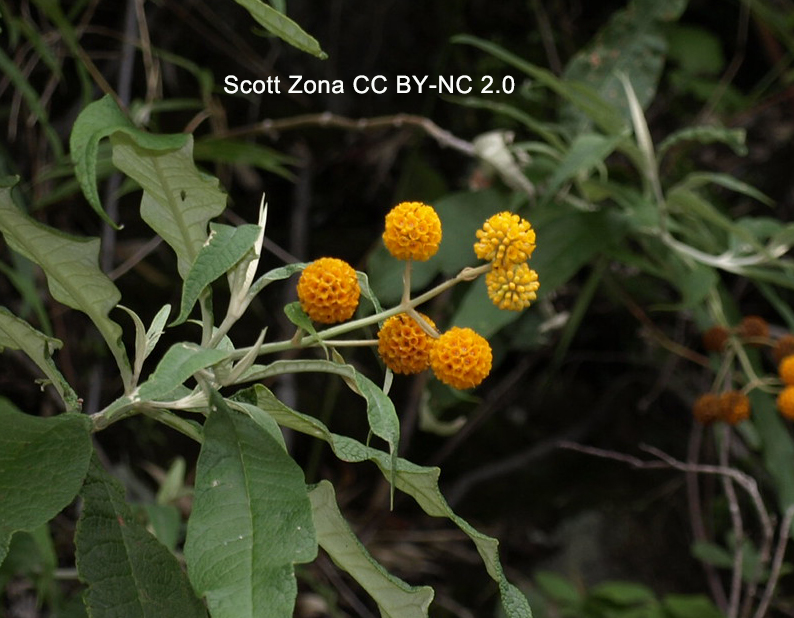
707, 408
753, 327
783, 347
735, 407
404, 345
786, 370
514, 287
785, 402
413, 231
505, 240
328, 290
714, 338
461, 358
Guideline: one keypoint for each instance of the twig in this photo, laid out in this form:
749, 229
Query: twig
738, 529
696, 517
777, 563
329, 120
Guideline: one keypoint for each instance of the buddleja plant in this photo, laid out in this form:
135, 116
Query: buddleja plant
253, 516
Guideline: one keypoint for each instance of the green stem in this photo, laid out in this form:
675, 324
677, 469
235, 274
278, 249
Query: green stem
467, 274
173, 421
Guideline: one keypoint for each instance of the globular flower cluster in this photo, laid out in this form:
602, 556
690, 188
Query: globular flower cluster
730, 406
752, 331
785, 399
461, 358
413, 231
508, 241
328, 290
404, 345
514, 287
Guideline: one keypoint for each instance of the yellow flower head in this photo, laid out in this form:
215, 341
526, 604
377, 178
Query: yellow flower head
461, 358
783, 347
328, 290
403, 345
785, 402
753, 327
413, 231
505, 240
707, 408
735, 407
786, 370
715, 338
514, 287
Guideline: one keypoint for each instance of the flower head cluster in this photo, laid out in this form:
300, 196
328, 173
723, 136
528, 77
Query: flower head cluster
731, 407
507, 241
328, 290
404, 345
413, 231
461, 358
512, 288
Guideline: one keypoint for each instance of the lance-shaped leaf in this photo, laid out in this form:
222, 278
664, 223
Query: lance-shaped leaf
72, 268
394, 597
225, 247
251, 520
420, 482
17, 334
283, 27
98, 120
129, 573
178, 200
42, 465
179, 363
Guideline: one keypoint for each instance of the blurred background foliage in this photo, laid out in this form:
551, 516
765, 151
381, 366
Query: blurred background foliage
609, 356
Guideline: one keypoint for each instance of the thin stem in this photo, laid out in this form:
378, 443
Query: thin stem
467, 274
173, 421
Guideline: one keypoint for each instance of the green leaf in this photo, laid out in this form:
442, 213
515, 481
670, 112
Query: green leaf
733, 138
631, 43
72, 268
283, 27
690, 606
777, 446
583, 96
623, 593
224, 248
251, 520
17, 334
129, 573
22, 86
558, 588
394, 597
586, 151
178, 200
277, 274
42, 465
98, 120
179, 363
417, 481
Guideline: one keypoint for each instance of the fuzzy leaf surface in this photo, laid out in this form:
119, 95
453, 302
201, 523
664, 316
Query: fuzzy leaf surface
178, 364
394, 597
178, 200
72, 268
98, 120
420, 482
42, 465
129, 573
226, 246
251, 520
17, 334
